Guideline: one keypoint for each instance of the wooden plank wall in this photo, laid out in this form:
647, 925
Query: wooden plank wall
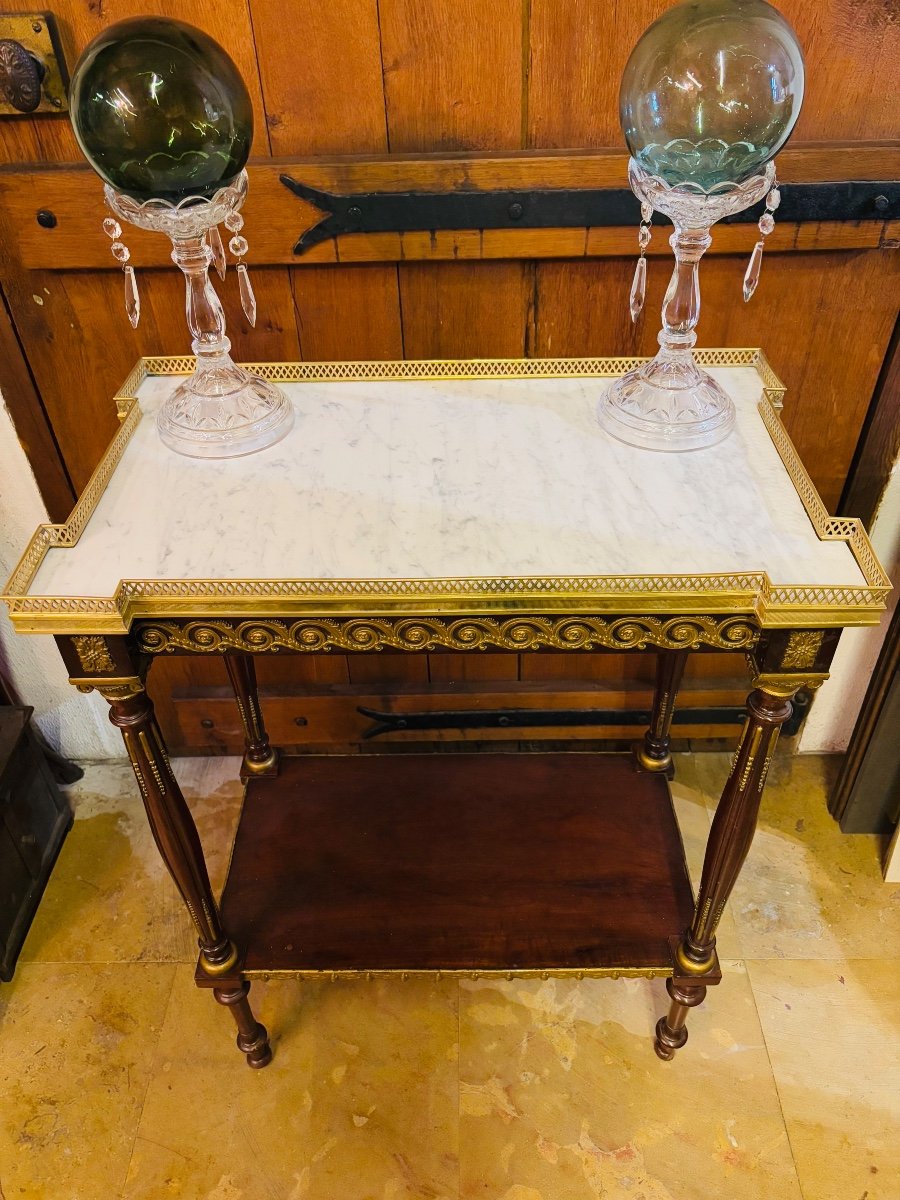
407, 76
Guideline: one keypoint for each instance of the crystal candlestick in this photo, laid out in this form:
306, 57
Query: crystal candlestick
221, 410
669, 403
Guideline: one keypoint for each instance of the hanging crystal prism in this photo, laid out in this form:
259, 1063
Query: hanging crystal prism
248, 299
122, 254
766, 225
638, 288
239, 247
132, 297
639, 283
214, 240
751, 275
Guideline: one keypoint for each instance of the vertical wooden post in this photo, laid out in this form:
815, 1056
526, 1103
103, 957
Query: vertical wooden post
260, 758
729, 842
252, 1038
653, 753
178, 842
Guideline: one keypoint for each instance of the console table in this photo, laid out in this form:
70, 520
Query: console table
465, 506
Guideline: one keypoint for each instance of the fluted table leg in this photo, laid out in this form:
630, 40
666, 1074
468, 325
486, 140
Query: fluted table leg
260, 758
653, 754
175, 834
729, 842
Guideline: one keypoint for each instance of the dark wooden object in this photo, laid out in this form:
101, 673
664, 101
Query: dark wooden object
532, 864
259, 757
462, 862
729, 843
654, 754
34, 820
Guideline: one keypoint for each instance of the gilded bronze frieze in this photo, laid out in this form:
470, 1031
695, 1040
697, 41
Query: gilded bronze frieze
316, 635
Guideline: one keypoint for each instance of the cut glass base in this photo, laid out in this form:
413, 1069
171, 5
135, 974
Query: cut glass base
222, 411
667, 404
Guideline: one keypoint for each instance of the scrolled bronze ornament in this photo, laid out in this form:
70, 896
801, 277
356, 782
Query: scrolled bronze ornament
361, 635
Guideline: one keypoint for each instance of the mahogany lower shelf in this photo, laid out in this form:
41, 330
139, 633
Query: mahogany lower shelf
457, 862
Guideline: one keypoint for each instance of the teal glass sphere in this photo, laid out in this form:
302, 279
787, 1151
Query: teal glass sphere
712, 91
160, 110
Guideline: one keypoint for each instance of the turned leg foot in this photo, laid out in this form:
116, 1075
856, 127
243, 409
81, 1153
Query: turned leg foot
252, 1038
260, 758
653, 753
671, 1031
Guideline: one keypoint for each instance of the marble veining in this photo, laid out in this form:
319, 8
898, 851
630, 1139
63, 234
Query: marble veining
440, 479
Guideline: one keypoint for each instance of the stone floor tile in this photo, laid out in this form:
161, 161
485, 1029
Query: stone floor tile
807, 890
360, 1100
563, 1098
76, 1053
833, 1033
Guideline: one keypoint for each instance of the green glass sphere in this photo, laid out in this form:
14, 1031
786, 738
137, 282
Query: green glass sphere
160, 110
712, 91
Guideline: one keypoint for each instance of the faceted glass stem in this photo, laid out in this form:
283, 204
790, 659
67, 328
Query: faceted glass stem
681, 306
205, 316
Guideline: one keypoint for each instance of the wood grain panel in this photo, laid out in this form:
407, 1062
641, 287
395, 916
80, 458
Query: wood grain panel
469, 668
324, 96
462, 311
577, 51
606, 670
321, 75
852, 52
452, 74
66, 322
389, 672
453, 81
348, 312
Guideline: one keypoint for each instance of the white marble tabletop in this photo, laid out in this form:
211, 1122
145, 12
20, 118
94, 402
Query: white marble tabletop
466, 479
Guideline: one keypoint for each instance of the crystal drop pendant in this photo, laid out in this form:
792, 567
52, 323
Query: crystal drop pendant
214, 238
248, 300
638, 288
132, 297
751, 277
